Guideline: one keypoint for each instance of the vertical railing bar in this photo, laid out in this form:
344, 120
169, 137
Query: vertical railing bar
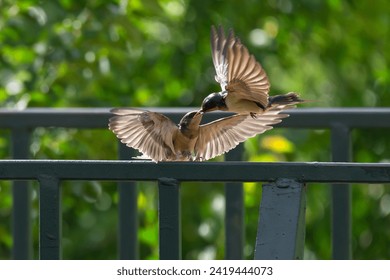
128, 213
22, 248
281, 226
49, 218
234, 212
169, 214
341, 197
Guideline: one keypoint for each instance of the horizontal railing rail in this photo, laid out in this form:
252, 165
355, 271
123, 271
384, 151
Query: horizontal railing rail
97, 117
340, 121
137, 170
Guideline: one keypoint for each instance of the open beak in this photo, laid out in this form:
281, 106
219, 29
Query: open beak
200, 112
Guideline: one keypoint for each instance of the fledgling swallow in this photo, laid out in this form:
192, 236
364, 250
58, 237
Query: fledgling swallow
245, 85
157, 137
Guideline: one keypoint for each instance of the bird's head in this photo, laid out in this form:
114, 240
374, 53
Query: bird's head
191, 120
214, 101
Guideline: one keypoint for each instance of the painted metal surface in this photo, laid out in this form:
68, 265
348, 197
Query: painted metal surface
137, 170
128, 246
22, 248
281, 230
169, 216
341, 196
234, 213
49, 218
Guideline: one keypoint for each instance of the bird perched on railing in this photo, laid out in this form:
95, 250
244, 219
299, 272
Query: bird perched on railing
160, 139
244, 83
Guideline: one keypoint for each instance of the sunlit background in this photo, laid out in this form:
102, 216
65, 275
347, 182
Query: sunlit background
145, 53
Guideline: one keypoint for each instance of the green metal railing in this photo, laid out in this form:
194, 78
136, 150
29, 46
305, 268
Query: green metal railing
285, 178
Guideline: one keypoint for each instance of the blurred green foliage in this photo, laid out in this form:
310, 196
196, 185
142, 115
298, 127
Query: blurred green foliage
156, 53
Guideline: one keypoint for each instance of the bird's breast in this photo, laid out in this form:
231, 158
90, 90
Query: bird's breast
184, 144
239, 105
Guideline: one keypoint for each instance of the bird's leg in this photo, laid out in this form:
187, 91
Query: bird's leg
196, 158
187, 154
253, 115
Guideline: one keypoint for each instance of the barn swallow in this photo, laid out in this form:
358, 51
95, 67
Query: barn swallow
158, 138
245, 85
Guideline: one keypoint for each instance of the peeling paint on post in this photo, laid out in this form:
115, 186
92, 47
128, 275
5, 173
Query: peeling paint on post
281, 228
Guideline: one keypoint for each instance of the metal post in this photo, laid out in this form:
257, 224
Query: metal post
281, 228
128, 214
341, 197
49, 218
234, 213
21, 193
169, 219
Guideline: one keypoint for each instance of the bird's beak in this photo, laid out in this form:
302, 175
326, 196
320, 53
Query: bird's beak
200, 112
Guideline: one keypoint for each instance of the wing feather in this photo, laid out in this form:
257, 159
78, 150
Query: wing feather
219, 48
237, 70
222, 135
149, 132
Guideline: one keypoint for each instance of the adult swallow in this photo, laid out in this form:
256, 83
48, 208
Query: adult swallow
157, 137
245, 85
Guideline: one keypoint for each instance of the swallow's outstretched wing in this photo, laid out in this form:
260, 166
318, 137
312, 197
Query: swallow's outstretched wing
222, 135
219, 53
149, 132
237, 70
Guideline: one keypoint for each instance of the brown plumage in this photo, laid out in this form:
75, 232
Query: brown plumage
245, 85
160, 139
